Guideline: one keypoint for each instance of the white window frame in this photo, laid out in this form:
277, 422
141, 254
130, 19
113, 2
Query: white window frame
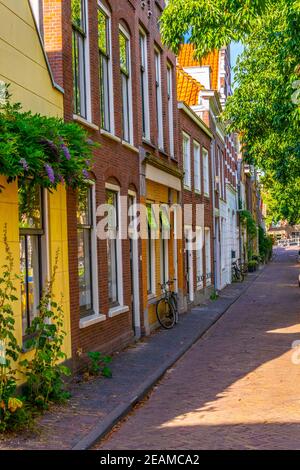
207, 256
87, 84
186, 159
206, 182
126, 34
95, 316
106, 11
135, 282
188, 234
159, 103
197, 166
164, 260
222, 175
170, 108
144, 82
199, 257
152, 268
120, 308
44, 271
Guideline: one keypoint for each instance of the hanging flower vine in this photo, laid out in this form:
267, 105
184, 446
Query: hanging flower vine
44, 149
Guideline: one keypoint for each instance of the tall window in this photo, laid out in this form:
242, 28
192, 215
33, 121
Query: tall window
124, 46
164, 247
112, 249
144, 85
197, 167
150, 251
199, 259
79, 37
105, 72
205, 171
31, 232
187, 160
84, 237
222, 176
159, 109
207, 256
170, 108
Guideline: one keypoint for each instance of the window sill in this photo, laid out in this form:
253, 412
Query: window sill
187, 188
130, 146
91, 320
151, 297
85, 122
163, 152
113, 312
109, 135
148, 142
197, 192
200, 287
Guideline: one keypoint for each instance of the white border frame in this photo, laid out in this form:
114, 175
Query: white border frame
135, 273
198, 146
190, 273
143, 33
206, 194
160, 130
121, 308
170, 73
107, 12
189, 186
127, 35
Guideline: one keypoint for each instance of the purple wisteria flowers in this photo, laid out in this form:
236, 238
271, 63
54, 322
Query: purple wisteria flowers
50, 173
66, 151
24, 164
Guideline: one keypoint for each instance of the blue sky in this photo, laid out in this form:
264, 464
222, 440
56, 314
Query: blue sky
235, 49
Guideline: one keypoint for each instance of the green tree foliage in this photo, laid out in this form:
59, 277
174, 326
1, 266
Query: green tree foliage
209, 24
265, 107
265, 245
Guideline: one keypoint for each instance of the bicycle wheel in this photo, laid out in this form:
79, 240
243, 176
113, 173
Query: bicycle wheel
165, 314
237, 275
174, 303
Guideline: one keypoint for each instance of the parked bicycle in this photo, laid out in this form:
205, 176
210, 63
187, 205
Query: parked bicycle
167, 306
238, 272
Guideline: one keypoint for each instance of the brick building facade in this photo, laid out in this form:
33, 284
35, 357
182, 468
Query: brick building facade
196, 144
120, 84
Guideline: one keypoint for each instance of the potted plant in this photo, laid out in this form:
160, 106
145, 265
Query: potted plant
252, 265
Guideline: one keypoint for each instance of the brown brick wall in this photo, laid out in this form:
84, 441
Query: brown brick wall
112, 159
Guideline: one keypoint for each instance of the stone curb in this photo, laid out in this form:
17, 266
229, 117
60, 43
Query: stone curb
106, 424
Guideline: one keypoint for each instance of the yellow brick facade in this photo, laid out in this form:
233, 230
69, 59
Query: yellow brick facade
159, 194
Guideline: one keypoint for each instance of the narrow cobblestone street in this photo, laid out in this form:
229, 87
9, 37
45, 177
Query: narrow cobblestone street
237, 388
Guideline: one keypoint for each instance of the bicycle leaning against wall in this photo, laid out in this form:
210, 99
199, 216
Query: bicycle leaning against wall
238, 271
167, 306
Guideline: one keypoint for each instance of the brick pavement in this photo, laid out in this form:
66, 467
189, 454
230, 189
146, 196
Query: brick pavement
237, 388
96, 405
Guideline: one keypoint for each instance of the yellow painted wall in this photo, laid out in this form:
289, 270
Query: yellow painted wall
23, 65
22, 62
158, 194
